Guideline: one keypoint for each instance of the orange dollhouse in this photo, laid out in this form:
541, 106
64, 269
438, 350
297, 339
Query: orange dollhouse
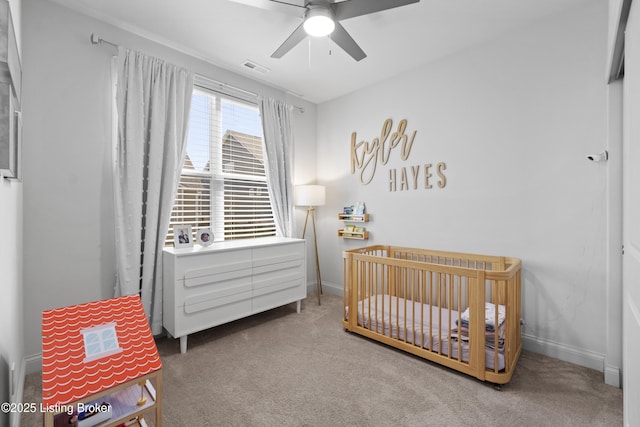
100, 355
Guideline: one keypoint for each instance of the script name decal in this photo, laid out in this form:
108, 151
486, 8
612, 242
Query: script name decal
365, 157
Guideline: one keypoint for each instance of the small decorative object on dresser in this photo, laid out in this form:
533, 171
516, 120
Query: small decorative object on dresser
204, 237
182, 236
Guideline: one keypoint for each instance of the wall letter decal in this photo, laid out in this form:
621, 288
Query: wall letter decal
440, 167
404, 183
366, 155
392, 180
414, 173
427, 175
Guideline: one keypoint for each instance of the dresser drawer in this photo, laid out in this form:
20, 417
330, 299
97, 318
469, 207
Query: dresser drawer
218, 298
224, 280
190, 322
207, 295
275, 293
273, 254
217, 273
265, 275
200, 263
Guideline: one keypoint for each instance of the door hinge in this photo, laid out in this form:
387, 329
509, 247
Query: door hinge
622, 249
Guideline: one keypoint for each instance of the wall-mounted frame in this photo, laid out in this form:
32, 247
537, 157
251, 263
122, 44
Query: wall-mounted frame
182, 236
10, 90
10, 134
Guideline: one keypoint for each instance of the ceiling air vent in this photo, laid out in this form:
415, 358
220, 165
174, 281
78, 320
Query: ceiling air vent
255, 67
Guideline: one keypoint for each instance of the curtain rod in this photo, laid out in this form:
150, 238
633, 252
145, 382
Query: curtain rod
95, 39
99, 40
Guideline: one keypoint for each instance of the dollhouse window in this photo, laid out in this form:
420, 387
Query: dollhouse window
100, 341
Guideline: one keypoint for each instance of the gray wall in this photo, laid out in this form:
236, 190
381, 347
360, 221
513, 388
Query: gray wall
513, 120
69, 248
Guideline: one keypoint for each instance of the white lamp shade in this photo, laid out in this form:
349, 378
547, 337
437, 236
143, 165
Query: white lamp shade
309, 195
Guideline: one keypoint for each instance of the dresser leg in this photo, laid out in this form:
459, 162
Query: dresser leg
183, 344
298, 305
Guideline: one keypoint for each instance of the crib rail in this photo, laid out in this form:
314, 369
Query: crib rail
416, 299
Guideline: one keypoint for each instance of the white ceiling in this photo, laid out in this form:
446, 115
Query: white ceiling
227, 34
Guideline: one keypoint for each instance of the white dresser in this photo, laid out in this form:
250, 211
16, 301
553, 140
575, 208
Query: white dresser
208, 286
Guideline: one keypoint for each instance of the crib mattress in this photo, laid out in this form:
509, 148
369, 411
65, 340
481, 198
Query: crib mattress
430, 327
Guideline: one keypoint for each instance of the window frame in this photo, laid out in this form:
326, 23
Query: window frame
218, 178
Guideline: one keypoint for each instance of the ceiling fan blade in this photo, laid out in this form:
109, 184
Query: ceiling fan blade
353, 8
296, 37
294, 8
299, 3
347, 43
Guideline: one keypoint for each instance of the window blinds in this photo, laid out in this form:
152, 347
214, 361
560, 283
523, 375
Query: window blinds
223, 185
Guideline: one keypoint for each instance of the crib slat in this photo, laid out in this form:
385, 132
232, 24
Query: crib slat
496, 330
430, 311
477, 325
459, 324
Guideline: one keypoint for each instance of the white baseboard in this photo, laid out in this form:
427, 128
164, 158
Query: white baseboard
564, 352
29, 365
328, 288
612, 376
18, 394
33, 363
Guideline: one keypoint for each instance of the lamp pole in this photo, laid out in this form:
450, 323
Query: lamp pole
311, 211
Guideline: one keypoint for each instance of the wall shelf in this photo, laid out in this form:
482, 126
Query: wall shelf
351, 231
353, 217
358, 235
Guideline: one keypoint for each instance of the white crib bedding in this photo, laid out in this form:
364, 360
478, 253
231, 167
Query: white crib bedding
431, 328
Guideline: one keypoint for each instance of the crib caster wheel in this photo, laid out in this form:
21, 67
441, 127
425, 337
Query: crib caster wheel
497, 387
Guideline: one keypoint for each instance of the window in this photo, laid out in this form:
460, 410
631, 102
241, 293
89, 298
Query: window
223, 184
100, 341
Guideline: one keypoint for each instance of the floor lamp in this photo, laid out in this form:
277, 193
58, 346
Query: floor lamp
311, 196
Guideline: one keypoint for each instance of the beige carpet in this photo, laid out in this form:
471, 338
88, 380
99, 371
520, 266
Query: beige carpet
281, 368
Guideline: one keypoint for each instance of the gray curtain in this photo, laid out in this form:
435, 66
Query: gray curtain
278, 142
153, 99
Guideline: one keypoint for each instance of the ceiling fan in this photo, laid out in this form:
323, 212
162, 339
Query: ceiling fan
322, 18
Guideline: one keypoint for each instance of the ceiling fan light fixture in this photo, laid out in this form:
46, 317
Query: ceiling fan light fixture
319, 22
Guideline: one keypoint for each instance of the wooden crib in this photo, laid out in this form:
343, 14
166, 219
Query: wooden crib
459, 310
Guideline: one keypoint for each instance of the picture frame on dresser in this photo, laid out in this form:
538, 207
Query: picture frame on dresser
204, 237
182, 236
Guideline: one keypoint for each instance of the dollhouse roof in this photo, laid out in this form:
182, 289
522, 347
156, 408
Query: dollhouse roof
68, 374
